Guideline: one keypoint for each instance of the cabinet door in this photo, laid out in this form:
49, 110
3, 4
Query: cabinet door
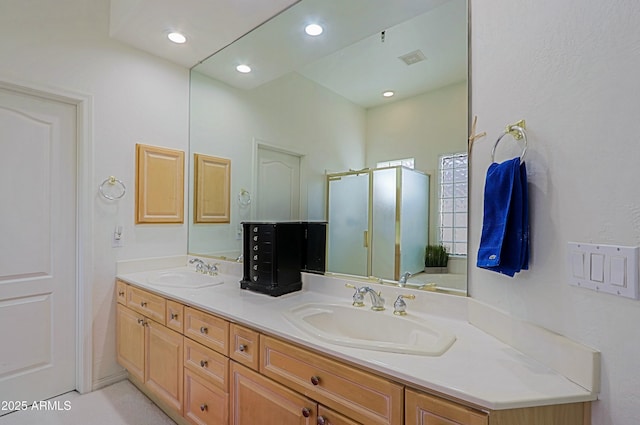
258, 400
425, 409
130, 341
204, 404
163, 364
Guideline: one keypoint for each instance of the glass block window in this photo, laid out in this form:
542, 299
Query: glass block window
452, 179
407, 162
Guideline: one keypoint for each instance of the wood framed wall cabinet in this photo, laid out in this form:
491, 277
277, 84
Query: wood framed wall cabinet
212, 186
159, 185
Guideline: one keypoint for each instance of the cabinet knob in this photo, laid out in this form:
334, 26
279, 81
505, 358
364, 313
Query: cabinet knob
203, 407
322, 420
203, 363
121, 293
140, 321
143, 303
174, 316
203, 330
242, 348
306, 412
315, 380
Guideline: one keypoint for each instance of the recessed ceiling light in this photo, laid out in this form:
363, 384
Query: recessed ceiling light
388, 93
176, 37
245, 69
313, 29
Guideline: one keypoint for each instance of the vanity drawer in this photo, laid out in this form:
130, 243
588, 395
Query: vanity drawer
212, 366
360, 395
327, 416
244, 346
204, 404
207, 329
121, 292
175, 316
152, 306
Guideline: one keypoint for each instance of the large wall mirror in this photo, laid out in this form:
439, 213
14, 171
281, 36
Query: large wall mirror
313, 106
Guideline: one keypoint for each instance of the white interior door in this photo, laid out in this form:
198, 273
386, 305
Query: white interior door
37, 247
278, 189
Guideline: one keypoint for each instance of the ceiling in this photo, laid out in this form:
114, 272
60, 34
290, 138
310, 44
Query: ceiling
349, 58
209, 25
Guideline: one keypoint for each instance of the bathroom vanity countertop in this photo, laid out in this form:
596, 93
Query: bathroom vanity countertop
477, 368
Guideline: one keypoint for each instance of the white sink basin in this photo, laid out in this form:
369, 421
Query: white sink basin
374, 330
184, 278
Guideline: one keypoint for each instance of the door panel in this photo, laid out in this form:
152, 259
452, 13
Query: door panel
38, 247
278, 189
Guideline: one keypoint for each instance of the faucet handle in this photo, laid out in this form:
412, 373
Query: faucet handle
400, 307
358, 295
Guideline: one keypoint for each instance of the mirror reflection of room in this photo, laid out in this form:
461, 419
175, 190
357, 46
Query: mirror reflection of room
318, 103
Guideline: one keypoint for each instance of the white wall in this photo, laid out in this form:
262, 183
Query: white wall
290, 113
570, 68
137, 98
421, 127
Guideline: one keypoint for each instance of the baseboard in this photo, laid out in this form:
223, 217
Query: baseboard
108, 380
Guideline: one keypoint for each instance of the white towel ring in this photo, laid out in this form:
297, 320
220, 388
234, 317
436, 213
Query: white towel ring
523, 135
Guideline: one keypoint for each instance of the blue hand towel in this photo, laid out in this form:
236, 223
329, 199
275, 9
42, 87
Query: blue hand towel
505, 229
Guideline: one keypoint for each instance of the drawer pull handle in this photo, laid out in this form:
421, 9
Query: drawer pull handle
315, 380
322, 420
203, 330
203, 363
306, 412
174, 316
121, 293
143, 304
242, 348
203, 407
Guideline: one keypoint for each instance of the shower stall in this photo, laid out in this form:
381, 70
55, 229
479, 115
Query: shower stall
378, 222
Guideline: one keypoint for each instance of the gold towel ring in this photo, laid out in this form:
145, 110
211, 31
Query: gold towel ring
518, 133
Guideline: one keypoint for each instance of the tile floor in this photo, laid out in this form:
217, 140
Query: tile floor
117, 404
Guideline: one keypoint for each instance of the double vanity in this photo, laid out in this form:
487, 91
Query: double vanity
208, 352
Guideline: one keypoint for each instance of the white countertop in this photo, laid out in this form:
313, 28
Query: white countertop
478, 368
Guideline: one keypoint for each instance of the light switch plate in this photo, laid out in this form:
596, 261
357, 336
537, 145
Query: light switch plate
604, 268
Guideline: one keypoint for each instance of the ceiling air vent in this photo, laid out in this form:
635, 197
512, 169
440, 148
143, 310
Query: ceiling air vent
413, 57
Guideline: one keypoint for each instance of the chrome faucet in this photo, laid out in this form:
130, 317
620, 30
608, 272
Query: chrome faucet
200, 265
377, 302
400, 307
403, 278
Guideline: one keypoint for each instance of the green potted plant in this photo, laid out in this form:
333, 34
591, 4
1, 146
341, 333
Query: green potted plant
435, 259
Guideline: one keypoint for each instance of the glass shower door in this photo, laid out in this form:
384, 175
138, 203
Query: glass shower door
348, 216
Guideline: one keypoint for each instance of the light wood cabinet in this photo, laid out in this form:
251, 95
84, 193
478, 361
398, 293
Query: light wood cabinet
357, 394
175, 316
204, 403
207, 329
130, 341
256, 399
163, 364
425, 409
151, 353
121, 292
151, 305
210, 371
327, 416
243, 346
